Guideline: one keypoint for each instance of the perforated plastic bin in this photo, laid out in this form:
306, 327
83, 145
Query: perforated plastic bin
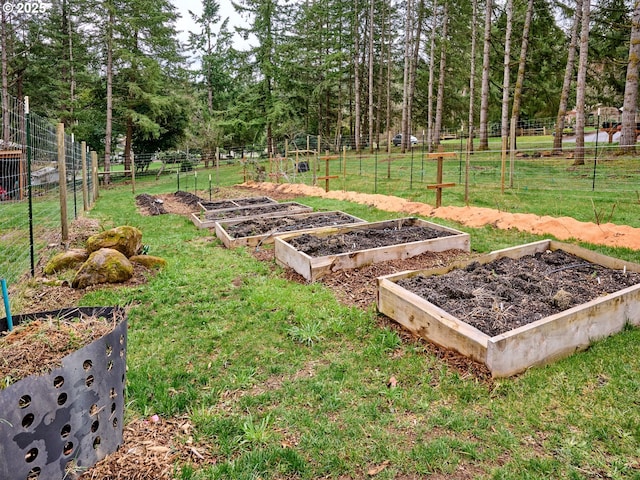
57, 425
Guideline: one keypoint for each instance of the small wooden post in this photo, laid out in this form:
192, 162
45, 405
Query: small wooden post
62, 182
439, 156
344, 167
94, 176
327, 177
85, 189
217, 165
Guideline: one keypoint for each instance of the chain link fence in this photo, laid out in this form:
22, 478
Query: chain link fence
46, 181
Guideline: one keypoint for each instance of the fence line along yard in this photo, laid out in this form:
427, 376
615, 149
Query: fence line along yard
47, 179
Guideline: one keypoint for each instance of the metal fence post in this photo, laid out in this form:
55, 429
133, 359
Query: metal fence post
94, 175
73, 172
85, 187
62, 182
32, 253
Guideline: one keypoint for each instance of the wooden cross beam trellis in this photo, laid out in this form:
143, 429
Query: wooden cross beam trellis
327, 177
439, 156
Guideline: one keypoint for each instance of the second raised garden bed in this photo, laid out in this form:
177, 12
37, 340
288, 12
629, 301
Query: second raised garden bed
263, 230
518, 307
208, 219
234, 203
336, 248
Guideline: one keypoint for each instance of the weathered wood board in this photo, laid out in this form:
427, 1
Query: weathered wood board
208, 206
208, 219
222, 229
537, 343
313, 268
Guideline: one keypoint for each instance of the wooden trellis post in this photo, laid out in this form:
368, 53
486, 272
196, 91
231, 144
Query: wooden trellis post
439, 156
327, 177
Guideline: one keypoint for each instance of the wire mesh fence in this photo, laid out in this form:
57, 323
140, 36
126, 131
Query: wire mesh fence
36, 160
514, 181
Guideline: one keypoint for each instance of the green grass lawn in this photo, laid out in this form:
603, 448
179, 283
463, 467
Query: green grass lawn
282, 381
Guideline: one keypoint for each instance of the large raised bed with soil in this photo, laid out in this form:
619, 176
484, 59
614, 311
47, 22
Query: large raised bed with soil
263, 230
208, 206
208, 219
59, 416
336, 248
518, 307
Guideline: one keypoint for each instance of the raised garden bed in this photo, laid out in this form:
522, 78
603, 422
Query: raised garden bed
234, 203
208, 219
518, 307
336, 248
64, 412
263, 230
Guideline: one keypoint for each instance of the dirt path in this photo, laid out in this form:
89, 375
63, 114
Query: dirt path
562, 228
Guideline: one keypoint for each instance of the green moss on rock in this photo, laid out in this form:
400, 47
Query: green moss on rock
126, 239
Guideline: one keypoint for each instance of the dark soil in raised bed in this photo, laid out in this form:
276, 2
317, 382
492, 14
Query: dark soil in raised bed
218, 204
270, 225
363, 239
250, 211
236, 202
508, 293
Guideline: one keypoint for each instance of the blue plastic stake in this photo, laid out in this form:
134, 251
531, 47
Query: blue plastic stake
5, 296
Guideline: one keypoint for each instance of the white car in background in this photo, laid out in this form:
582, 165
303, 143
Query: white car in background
397, 140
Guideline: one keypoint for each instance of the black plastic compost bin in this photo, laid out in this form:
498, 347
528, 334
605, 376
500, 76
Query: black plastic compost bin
57, 425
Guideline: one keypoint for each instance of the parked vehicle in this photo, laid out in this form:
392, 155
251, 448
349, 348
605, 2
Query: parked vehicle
397, 140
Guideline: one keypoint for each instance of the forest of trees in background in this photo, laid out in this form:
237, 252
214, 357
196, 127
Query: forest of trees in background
117, 75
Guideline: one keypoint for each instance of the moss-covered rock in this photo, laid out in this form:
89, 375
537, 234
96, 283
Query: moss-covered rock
106, 265
149, 261
72, 258
126, 239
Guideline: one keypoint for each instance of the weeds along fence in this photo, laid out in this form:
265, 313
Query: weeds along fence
47, 179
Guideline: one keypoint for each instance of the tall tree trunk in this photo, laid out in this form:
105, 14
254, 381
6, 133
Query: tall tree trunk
408, 33
208, 82
630, 106
443, 62
582, 83
517, 91
380, 93
432, 56
371, 86
356, 75
568, 76
415, 55
484, 89
472, 93
109, 121
388, 97
72, 73
504, 132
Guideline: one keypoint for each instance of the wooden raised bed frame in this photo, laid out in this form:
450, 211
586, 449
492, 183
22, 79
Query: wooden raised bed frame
238, 202
313, 268
537, 343
267, 238
289, 208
